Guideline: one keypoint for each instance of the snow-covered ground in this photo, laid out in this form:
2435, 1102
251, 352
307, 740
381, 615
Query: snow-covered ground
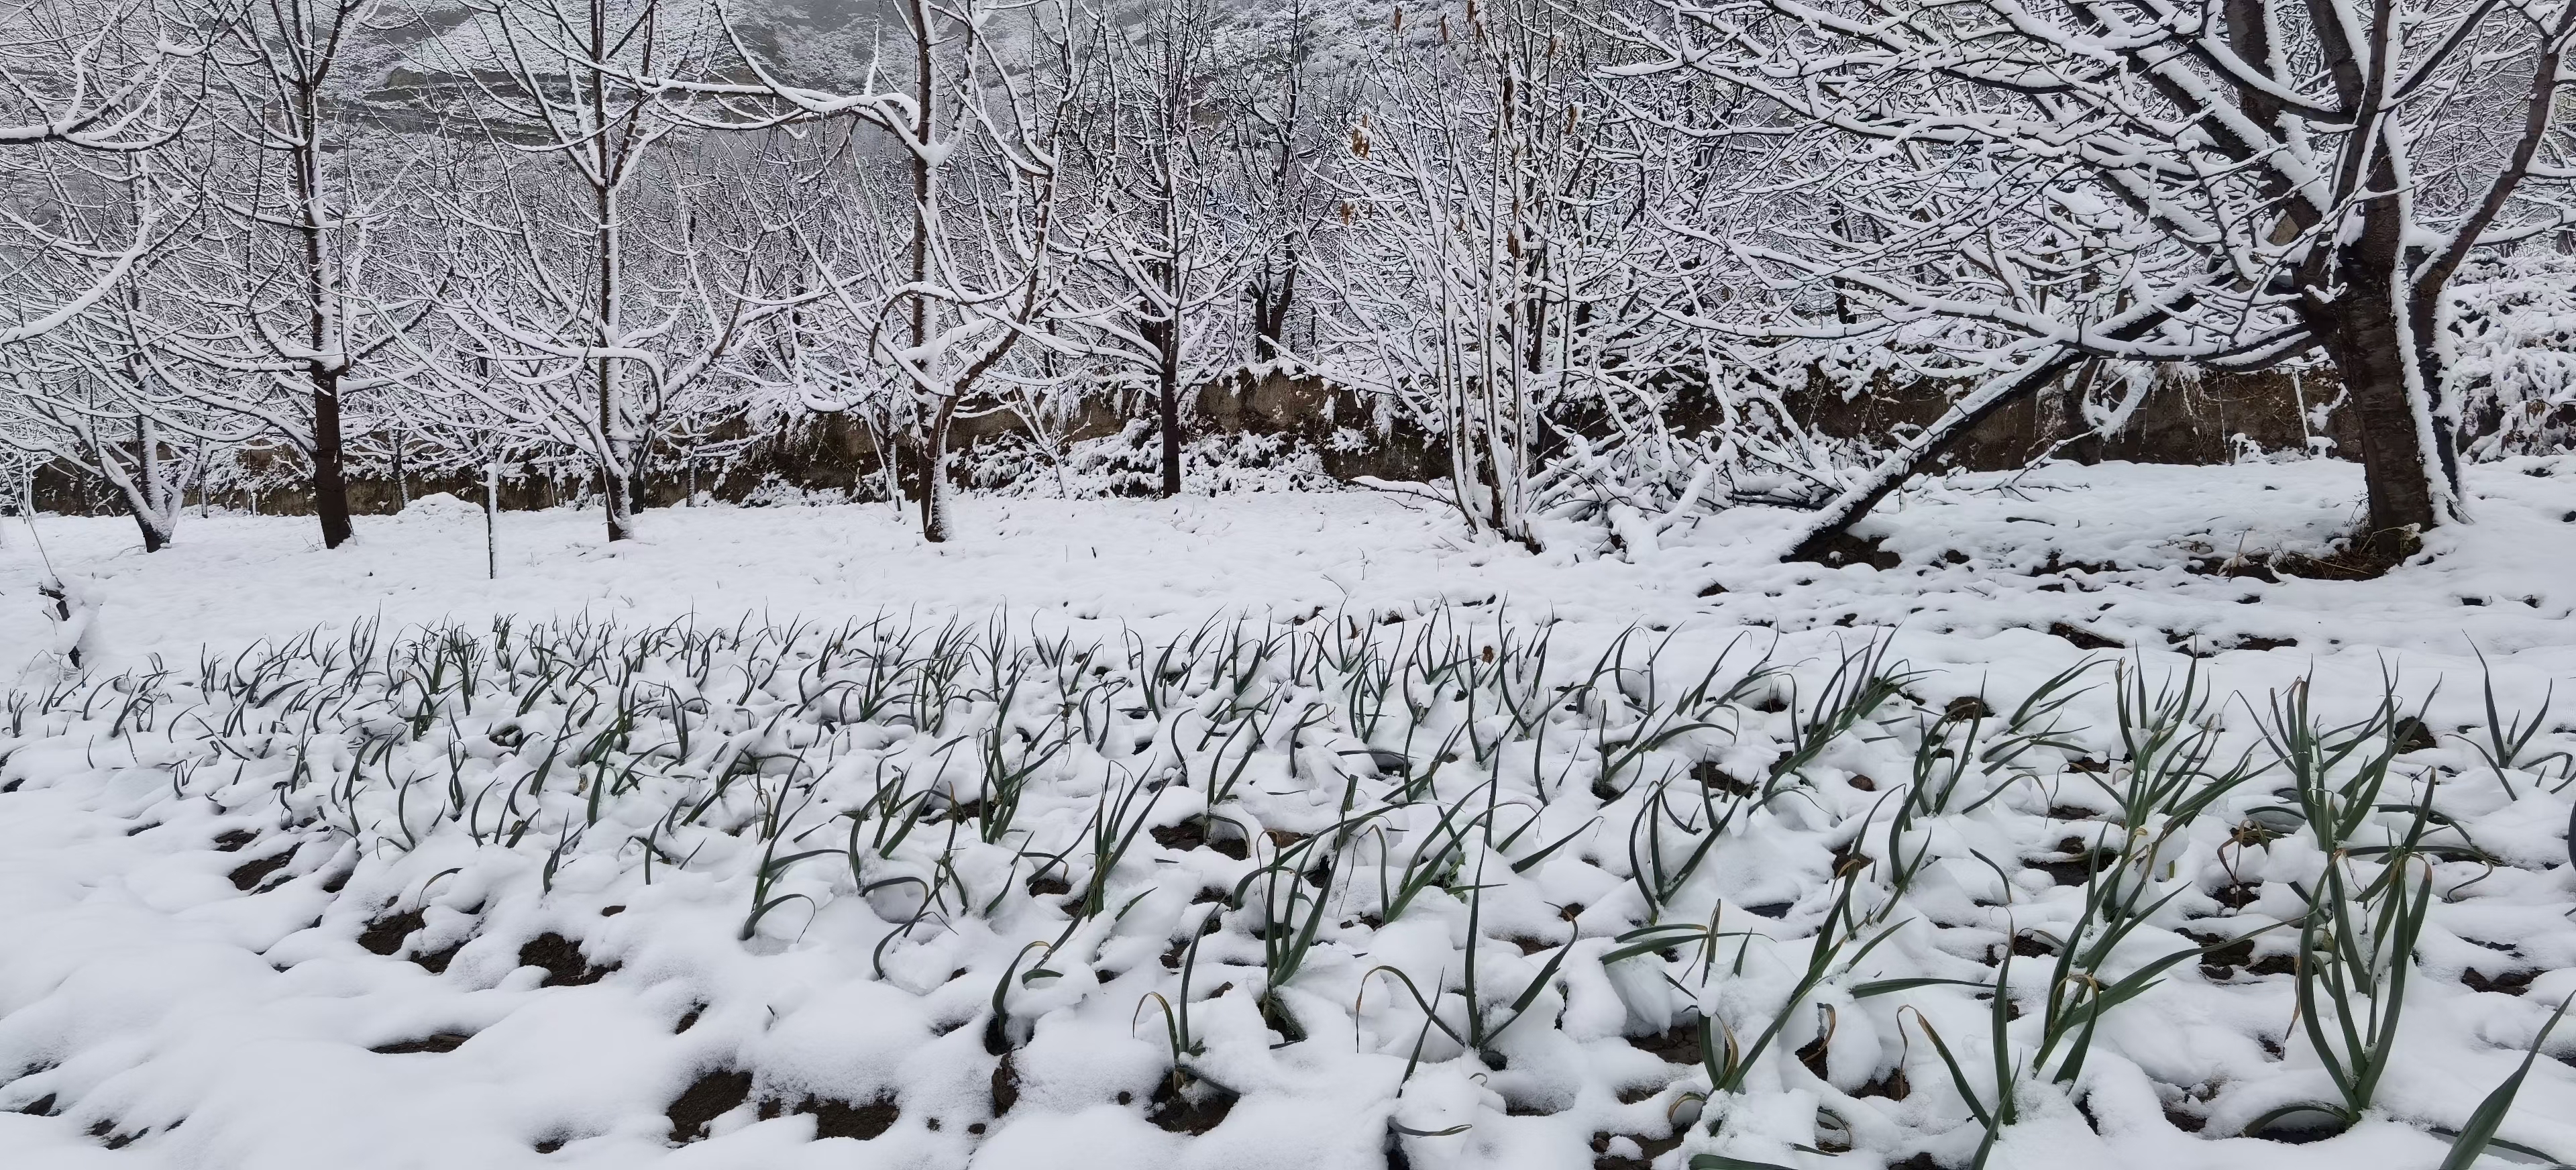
150, 1004
2505, 585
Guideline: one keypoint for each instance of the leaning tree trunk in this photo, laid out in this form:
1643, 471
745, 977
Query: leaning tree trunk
330, 475
144, 492
1827, 538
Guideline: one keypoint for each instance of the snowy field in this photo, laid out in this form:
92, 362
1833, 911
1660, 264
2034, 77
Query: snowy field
1290, 830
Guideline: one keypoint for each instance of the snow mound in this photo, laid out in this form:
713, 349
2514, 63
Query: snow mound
440, 506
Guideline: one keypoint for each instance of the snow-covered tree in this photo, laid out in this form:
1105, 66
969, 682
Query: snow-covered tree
603, 268
1495, 266
89, 96
977, 124
1164, 244
2227, 183
271, 311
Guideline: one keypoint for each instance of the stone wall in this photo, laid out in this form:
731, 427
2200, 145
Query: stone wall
2188, 420
2206, 419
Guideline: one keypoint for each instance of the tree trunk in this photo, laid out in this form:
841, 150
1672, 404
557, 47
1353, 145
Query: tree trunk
149, 498
330, 478
616, 460
2370, 355
614, 491
637, 479
888, 442
140, 490
1272, 295
917, 473
934, 526
1167, 377
934, 478
2375, 347
154, 540
615, 494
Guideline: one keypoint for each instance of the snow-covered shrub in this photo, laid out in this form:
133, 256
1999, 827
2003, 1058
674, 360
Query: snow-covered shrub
2513, 356
773, 492
1129, 464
